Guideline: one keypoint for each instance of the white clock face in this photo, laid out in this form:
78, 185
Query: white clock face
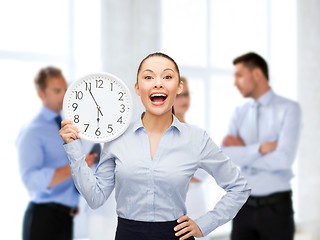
100, 106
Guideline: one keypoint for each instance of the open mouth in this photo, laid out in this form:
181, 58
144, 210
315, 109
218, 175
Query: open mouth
158, 98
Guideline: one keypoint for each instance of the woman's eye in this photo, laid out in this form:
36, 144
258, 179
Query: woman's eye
168, 77
148, 77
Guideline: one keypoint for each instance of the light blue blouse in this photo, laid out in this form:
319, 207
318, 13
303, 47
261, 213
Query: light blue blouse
155, 189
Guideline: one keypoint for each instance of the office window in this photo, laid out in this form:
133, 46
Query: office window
35, 34
184, 32
204, 37
35, 26
235, 28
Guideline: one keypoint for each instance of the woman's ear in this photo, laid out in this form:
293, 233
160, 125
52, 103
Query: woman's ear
136, 88
180, 87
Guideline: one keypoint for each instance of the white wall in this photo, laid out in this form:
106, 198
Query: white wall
130, 31
309, 98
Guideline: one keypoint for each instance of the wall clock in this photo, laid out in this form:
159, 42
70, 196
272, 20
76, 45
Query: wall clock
99, 105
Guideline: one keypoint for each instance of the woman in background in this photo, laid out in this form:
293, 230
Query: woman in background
195, 202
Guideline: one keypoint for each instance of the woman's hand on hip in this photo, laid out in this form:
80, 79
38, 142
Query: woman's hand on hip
187, 227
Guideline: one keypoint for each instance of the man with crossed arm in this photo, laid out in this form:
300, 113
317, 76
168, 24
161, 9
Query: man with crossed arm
262, 140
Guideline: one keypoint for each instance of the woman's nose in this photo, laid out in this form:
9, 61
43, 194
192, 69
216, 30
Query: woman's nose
158, 82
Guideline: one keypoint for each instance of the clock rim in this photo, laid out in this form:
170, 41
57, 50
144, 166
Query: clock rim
64, 105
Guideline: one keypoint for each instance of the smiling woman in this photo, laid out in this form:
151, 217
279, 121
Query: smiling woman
151, 165
158, 86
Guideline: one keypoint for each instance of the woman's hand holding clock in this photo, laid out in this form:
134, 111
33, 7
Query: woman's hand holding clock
68, 131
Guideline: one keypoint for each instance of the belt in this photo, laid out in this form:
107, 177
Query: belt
62, 208
270, 199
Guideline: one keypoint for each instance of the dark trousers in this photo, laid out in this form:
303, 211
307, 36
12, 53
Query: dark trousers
265, 218
47, 222
137, 230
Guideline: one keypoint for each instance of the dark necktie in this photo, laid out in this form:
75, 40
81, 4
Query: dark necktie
58, 120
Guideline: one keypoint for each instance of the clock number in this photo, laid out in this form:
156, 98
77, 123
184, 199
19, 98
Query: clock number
110, 129
87, 125
75, 106
99, 83
123, 108
97, 132
76, 119
111, 87
88, 86
121, 95
120, 120
79, 95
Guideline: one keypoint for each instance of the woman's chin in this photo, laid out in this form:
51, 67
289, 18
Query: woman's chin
158, 111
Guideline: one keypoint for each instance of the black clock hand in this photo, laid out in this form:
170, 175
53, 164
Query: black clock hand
98, 119
98, 107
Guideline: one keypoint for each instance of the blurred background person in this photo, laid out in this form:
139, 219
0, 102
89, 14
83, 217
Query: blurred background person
195, 201
44, 165
263, 139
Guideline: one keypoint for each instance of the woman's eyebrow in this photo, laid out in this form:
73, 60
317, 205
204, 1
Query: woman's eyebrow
168, 69
147, 70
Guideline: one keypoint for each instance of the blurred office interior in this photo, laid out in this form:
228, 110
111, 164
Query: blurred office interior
203, 36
